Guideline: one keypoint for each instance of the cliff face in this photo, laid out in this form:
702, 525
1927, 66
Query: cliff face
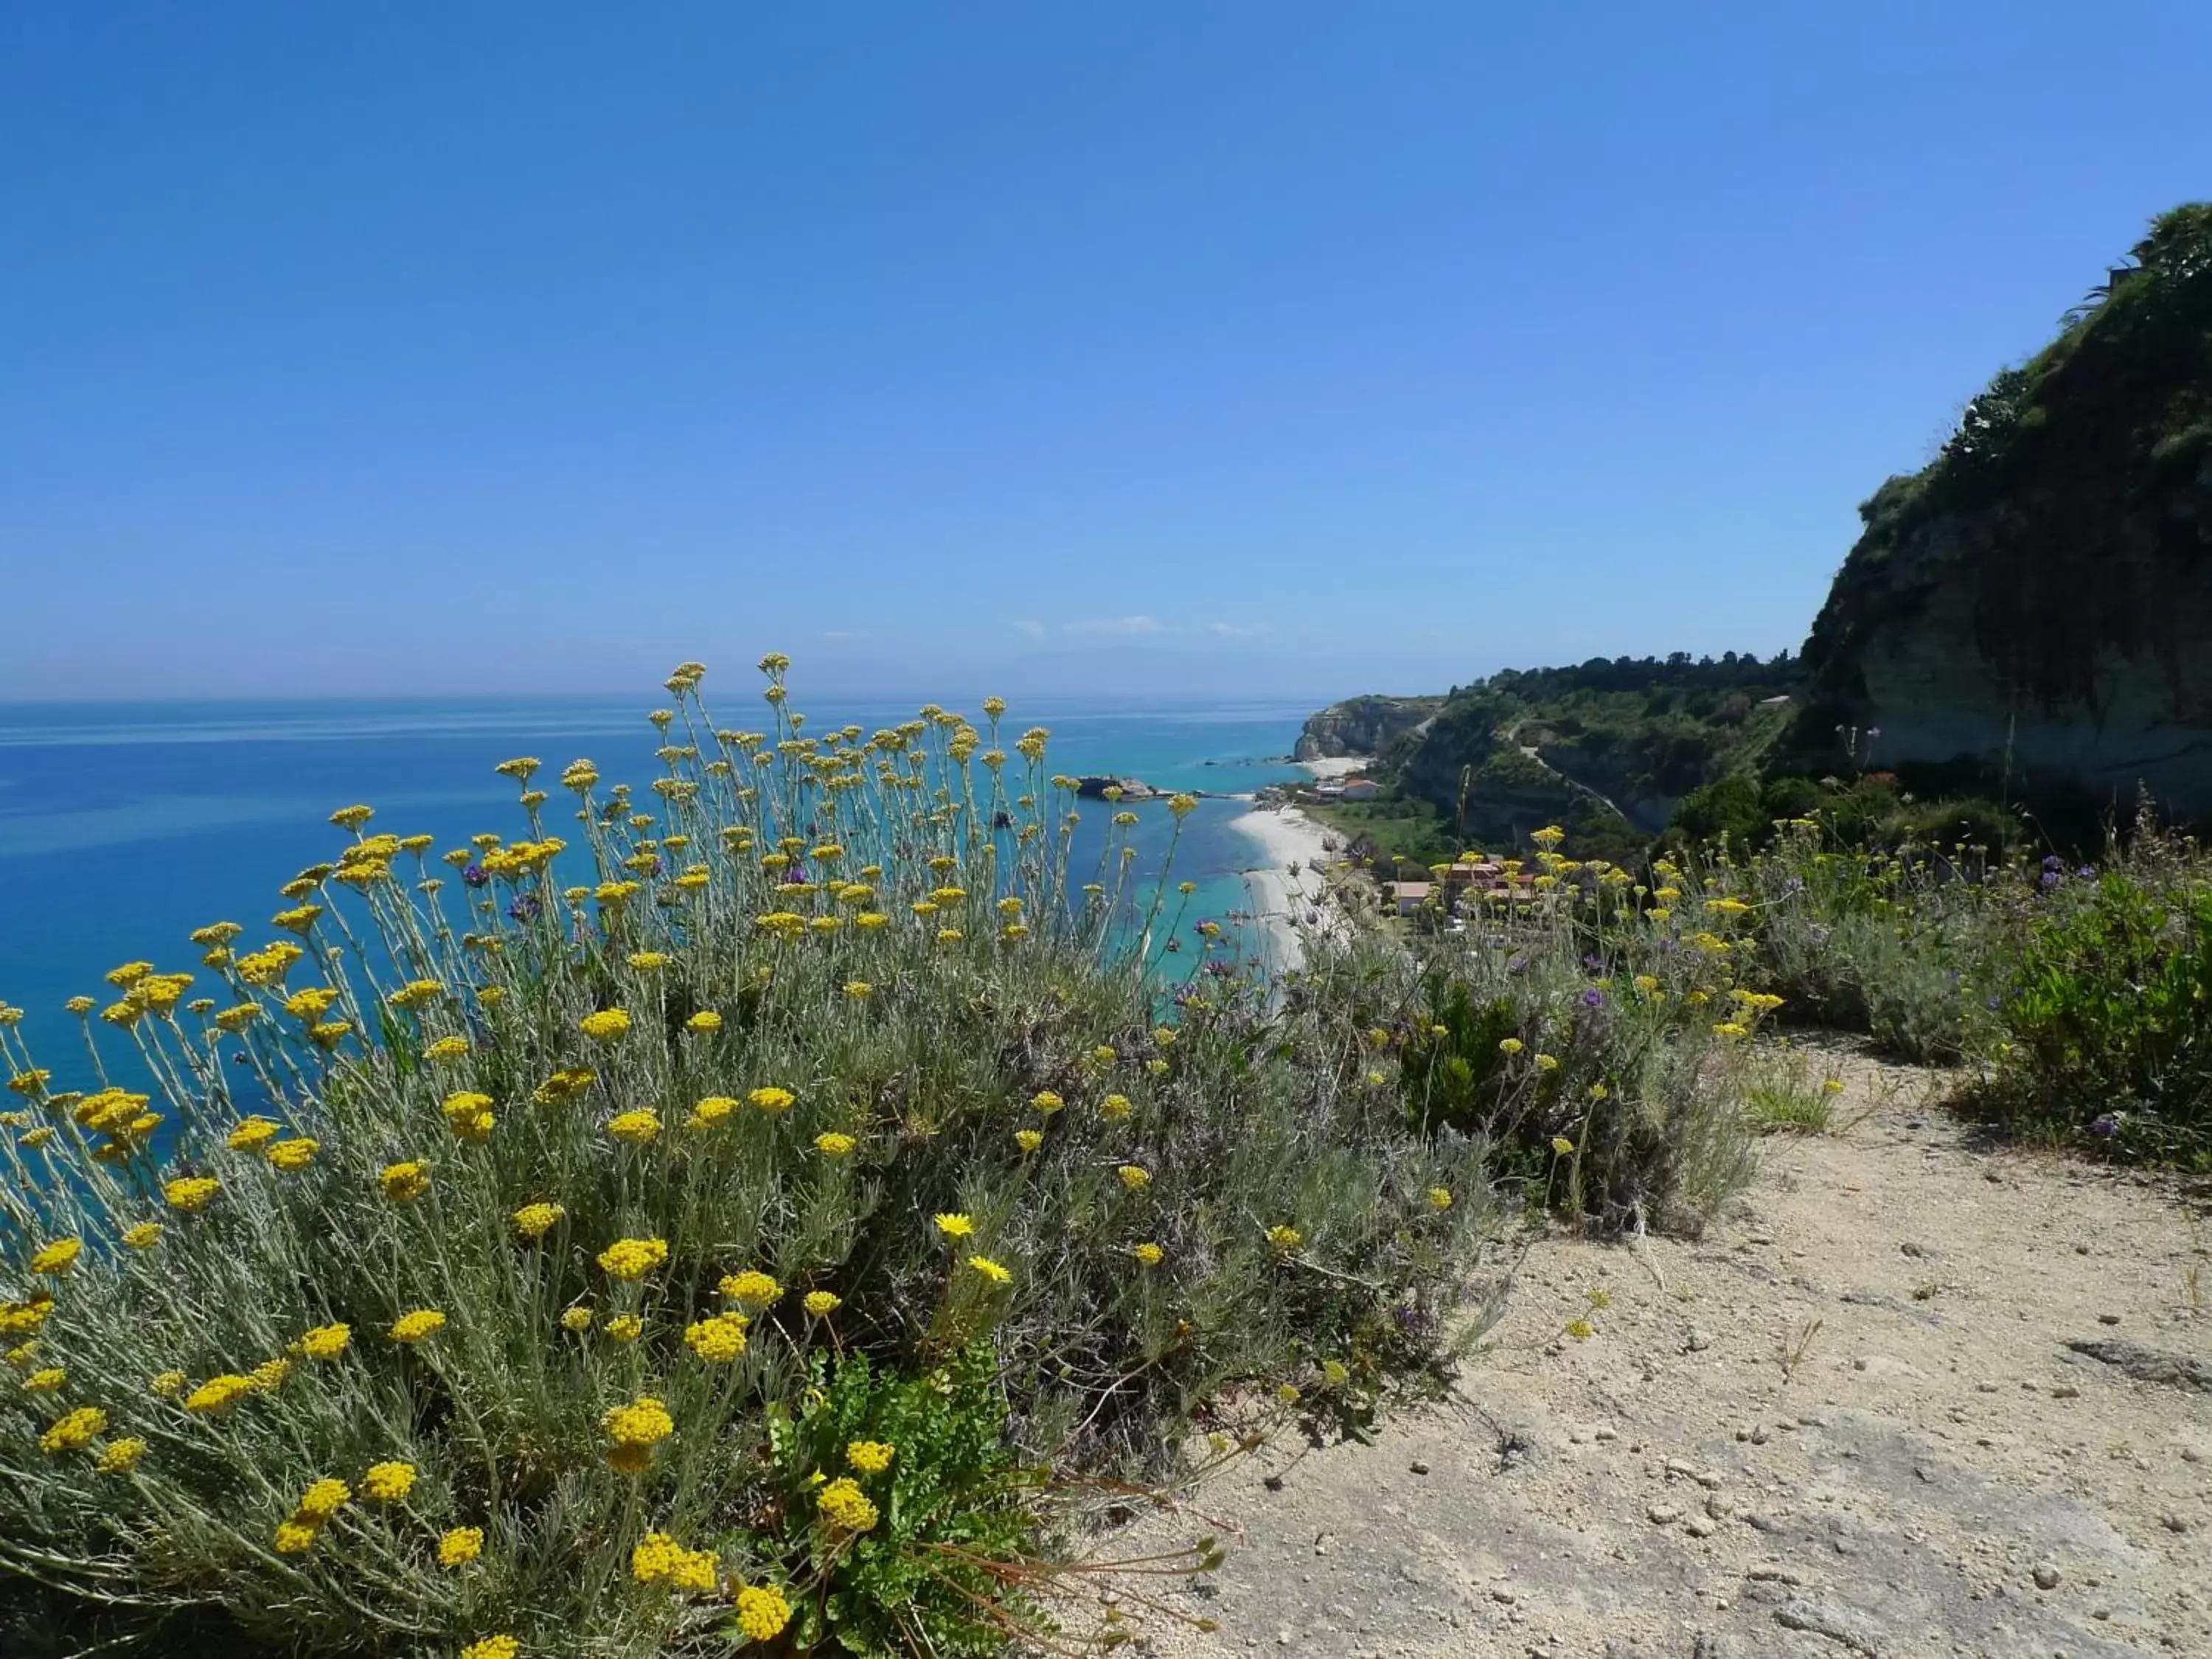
1362, 725
2038, 600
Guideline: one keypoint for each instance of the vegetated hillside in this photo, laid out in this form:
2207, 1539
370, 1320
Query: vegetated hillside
2032, 613
1607, 750
1362, 725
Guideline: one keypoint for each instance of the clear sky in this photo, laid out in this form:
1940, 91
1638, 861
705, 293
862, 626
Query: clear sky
1297, 347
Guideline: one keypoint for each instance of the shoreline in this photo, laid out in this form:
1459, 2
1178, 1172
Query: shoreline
1283, 902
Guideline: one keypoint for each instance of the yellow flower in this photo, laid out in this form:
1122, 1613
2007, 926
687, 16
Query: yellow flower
74, 1431
1581, 1330
469, 1114
1563, 1146
215, 1394
711, 1110
121, 1456
1047, 1102
635, 1430
535, 1220
1729, 1028
772, 1099
625, 1327
1114, 1108
576, 1319
1150, 1254
1832, 1085
1510, 1046
762, 1612
1646, 983
1599, 1092
858, 989
752, 1287
414, 1326
1028, 1140
717, 1340
387, 1483
143, 1237
56, 1258
634, 1258
1440, 1198
834, 1144
168, 1385
405, 1182
845, 1506
295, 1537
323, 1499
822, 1303
189, 1193
869, 1456
1547, 1063
252, 1134
705, 1023
46, 1381
460, 1547
991, 1270
1286, 1239
1288, 1394
955, 1225
296, 1154
325, 1341
605, 1026
1133, 1178
505, 1647
637, 1127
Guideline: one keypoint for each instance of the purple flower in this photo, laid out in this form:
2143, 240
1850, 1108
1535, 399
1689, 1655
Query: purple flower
525, 908
2087, 872
2051, 878
1517, 966
1593, 998
1874, 731
475, 876
1817, 934
1595, 964
2106, 1126
2052, 861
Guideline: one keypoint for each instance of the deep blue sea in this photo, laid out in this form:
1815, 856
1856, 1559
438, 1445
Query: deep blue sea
123, 826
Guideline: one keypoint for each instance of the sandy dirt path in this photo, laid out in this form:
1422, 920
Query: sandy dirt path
1851, 1421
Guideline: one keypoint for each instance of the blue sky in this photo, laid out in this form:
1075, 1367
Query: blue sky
1295, 347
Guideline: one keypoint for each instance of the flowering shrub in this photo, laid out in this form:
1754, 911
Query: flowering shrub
2104, 1011
457, 1285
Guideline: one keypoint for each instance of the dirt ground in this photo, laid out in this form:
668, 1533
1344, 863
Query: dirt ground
1848, 1420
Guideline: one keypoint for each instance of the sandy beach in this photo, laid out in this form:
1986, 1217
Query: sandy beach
1287, 888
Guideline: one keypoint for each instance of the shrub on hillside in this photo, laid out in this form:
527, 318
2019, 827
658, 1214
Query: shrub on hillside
727, 1223
2104, 1010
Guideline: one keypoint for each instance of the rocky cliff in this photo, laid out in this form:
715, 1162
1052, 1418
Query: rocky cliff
2036, 605
1362, 725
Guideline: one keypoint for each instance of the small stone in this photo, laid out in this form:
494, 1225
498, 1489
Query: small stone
1418, 1467
1758, 1435
1698, 1342
1859, 1364
1602, 1436
2065, 1391
1662, 1515
2190, 1454
1324, 1543
1503, 1593
1985, 1388
2081, 1249
1995, 1177
2173, 1522
1679, 1469
2108, 1319
2045, 1576
1697, 1527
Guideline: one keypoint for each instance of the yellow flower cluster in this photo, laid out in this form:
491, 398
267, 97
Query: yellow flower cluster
536, 1220
845, 1507
717, 1340
74, 1431
658, 1558
635, 1430
605, 1026
633, 1258
762, 1612
870, 1456
325, 1341
469, 1115
415, 1326
753, 1288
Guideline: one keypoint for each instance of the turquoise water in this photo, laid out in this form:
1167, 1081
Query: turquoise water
123, 826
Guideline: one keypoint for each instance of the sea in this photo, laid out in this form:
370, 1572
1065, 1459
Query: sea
126, 825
